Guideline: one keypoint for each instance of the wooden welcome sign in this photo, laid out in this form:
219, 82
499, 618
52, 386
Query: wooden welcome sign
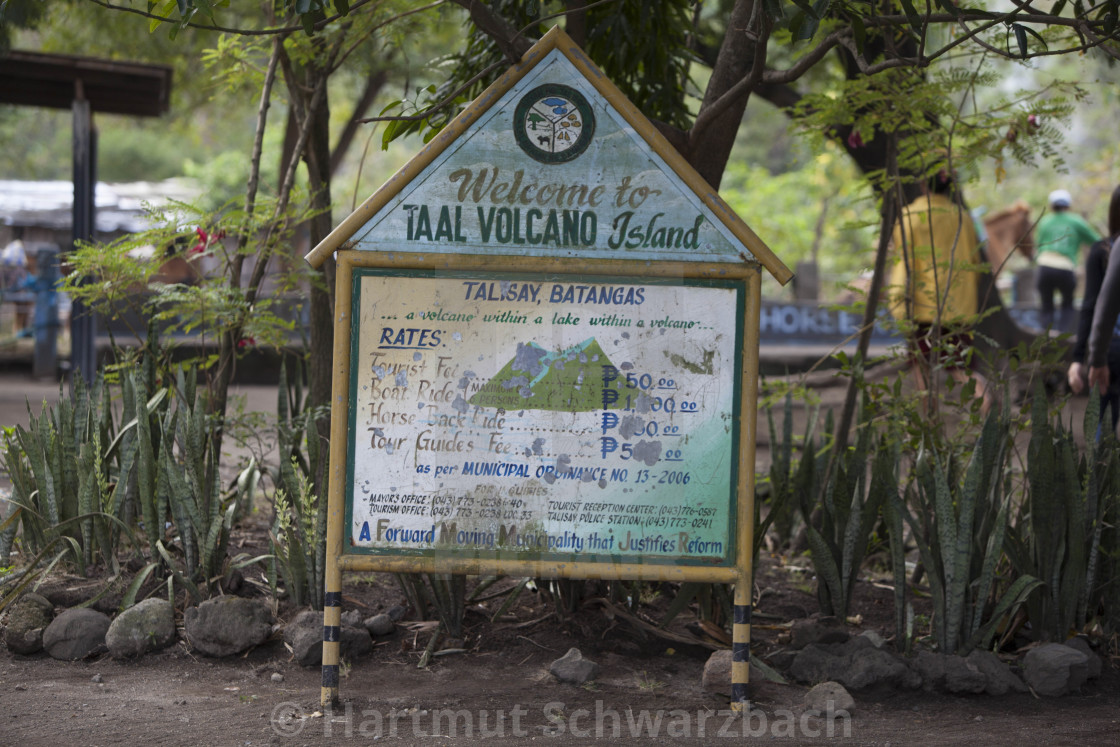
546, 354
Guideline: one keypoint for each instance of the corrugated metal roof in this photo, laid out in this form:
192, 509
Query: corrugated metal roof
120, 207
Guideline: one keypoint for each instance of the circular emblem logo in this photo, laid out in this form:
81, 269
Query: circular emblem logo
553, 123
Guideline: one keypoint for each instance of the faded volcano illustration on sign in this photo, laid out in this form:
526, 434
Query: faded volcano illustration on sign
571, 380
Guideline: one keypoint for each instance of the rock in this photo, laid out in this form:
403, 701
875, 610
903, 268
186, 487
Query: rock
306, 643
380, 625
277, 677
97, 679
856, 664
949, 673
304, 635
396, 612
873, 638
573, 668
355, 642
870, 667
1001, 679
76, 634
782, 659
1080, 644
147, 626
829, 698
717, 673
1055, 669
353, 618
225, 626
28, 618
818, 629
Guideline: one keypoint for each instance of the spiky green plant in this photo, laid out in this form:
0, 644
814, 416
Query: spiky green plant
65, 469
299, 530
1060, 534
839, 527
959, 522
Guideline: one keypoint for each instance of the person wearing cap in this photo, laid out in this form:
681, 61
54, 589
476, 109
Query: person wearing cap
1059, 238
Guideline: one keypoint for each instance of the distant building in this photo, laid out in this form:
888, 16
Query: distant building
44, 210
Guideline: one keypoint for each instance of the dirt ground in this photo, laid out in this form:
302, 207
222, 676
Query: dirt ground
498, 688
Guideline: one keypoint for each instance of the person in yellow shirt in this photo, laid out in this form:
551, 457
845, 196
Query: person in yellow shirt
935, 284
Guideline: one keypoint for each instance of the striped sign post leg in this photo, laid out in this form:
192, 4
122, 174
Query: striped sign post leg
332, 622
741, 649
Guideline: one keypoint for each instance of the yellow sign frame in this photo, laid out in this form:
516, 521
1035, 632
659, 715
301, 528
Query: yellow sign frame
338, 561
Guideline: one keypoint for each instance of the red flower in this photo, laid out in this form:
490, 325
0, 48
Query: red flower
854, 140
203, 239
245, 342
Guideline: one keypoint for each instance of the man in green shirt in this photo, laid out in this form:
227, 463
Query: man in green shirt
1059, 237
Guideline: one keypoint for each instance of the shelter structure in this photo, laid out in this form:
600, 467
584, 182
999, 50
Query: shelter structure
84, 85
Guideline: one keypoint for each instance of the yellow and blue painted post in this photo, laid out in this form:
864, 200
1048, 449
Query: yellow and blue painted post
742, 601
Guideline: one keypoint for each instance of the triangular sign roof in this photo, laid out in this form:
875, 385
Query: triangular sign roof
551, 160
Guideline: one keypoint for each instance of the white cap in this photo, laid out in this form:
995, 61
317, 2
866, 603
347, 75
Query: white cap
1060, 198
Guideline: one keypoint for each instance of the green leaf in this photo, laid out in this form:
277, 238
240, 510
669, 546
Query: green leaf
1011, 599
510, 599
859, 33
912, 16
949, 7
133, 589
185, 582
771, 674
685, 594
1020, 38
1036, 35
830, 588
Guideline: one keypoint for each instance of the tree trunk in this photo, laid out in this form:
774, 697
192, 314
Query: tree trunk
317, 156
709, 154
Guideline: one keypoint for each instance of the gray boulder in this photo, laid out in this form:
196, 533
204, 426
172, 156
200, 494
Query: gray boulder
225, 626
1080, 644
717, 673
829, 698
147, 626
380, 625
1001, 679
949, 673
76, 634
573, 668
817, 629
1054, 669
27, 619
304, 635
856, 664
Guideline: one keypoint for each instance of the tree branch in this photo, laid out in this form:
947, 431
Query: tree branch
279, 30
510, 41
373, 85
255, 159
